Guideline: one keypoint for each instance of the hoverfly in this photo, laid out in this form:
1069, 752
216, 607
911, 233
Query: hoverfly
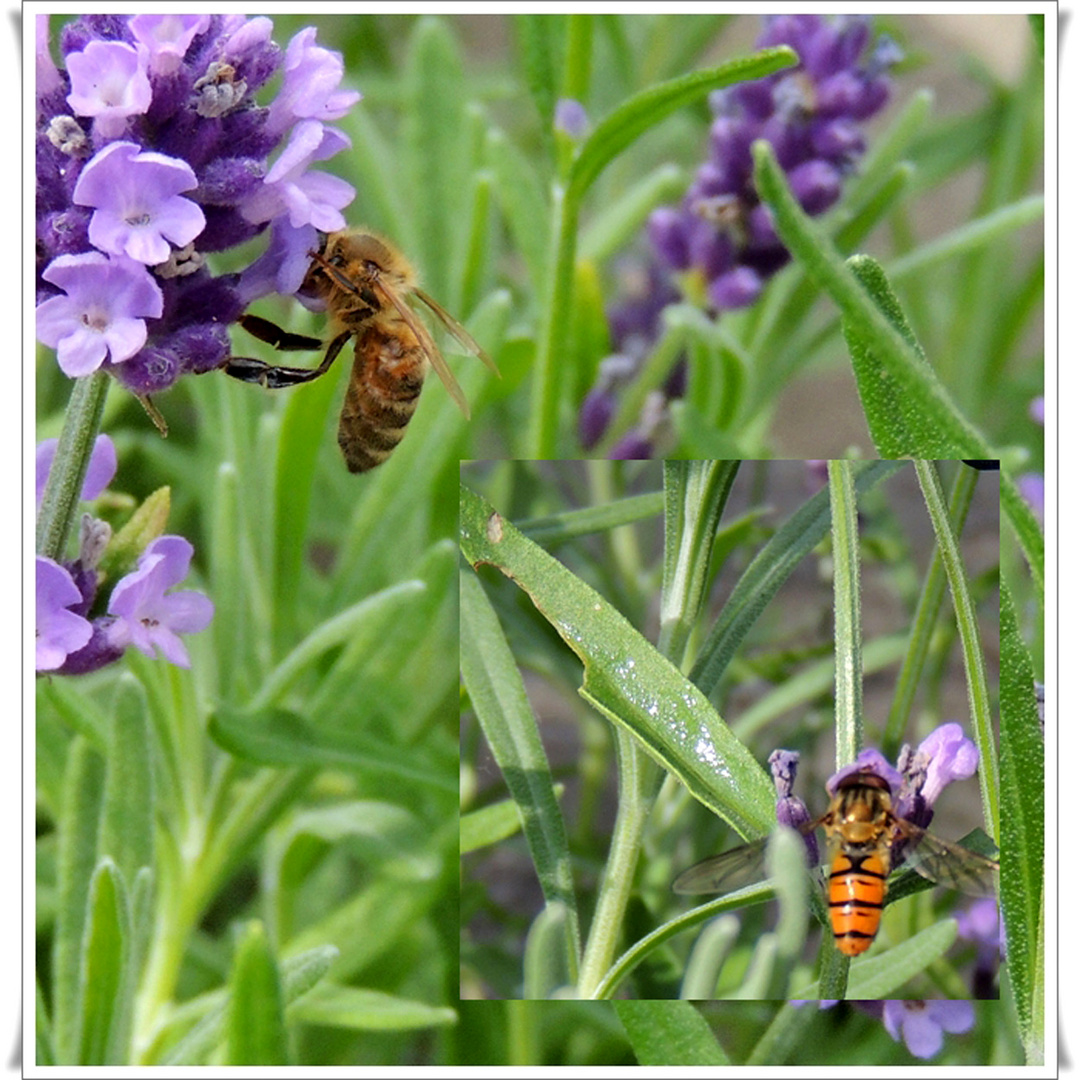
365, 284
865, 838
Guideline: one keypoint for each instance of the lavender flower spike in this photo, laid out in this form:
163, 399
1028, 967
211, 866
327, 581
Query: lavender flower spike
922, 1024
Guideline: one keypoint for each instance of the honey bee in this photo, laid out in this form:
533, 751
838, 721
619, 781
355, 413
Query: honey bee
865, 841
365, 284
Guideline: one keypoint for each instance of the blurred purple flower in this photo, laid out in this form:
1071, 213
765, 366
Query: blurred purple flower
922, 1024
720, 240
571, 118
99, 471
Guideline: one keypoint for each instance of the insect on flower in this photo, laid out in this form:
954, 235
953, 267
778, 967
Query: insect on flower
365, 284
866, 840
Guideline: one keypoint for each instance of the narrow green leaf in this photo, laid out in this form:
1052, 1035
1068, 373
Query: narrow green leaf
127, 822
349, 1007
847, 623
898, 426
489, 825
434, 128
255, 1027
102, 968
299, 974
376, 608
498, 698
669, 1033
76, 858
626, 678
884, 974
541, 39
968, 626
707, 958
284, 738
807, 243
786, 858
524, 204
545, 968
592, 519
616, 225
769, 569
648, 108
1022, 805
695, 493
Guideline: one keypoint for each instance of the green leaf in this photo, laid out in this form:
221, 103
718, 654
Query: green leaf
648, 108
968, 625
76, 858
298, 975
1022, 804
541, 38
102, 969
545, 967
490, 824
284, 738
569, 524
146, 524
127, 822
695, 494
523, 202
626, 678
255, 1027
436, 149
897, 423
498, 698
809, 244
615, 226
669, 1033
349, 1007
769, 569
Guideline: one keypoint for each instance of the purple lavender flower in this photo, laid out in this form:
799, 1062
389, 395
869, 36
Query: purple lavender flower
809, 114
152, 154
922, 1024
146, 616
99, 471
137, 206
790, 809
946, 754
102, 316
980, 923
720, 242
60, 631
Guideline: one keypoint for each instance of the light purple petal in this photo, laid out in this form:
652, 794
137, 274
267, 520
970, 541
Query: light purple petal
167, 37
58, 630
954, 1017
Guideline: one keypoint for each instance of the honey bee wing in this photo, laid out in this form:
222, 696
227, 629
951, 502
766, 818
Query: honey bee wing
948, 864
724, 873
427, 343
455, 329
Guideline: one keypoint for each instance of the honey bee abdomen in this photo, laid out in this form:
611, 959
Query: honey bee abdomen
387, 376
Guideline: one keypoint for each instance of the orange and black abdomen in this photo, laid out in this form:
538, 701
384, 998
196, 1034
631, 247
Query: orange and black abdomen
387, 376
856, 897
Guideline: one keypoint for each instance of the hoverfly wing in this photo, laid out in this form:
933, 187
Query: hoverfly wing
455, 329
724, 873
947, 864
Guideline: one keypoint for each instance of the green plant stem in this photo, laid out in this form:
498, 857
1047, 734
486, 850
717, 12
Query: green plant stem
848, 625
639, 781
81, 424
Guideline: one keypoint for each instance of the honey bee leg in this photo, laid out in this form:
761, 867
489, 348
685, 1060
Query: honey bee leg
248, 369
272, 334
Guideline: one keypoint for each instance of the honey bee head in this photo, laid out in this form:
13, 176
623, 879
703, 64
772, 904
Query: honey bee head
360, 254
